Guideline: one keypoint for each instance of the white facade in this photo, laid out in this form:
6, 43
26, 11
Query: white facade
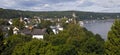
38, 36
15, 30
67, 21
25, 18
61, 29
10, 22
55, 31
81, 23
26, 26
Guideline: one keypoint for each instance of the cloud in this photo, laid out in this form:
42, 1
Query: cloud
46, 5
58, 5
85, 3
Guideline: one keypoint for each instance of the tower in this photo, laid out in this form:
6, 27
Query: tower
74, 18
21, 20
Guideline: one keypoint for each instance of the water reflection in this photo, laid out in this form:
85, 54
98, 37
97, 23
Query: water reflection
99, 26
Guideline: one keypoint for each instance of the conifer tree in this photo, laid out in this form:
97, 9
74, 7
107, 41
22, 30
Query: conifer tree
112, 45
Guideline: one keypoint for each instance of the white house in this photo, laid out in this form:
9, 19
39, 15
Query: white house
81, 23
15, 30
10, 22
38, 36
56, 29
60, 28
36, 33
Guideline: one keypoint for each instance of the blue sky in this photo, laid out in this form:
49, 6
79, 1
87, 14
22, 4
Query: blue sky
62, 5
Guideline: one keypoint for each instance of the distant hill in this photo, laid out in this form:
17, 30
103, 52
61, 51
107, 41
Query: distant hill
9, 13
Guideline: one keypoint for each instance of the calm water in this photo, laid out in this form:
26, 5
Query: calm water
99, 26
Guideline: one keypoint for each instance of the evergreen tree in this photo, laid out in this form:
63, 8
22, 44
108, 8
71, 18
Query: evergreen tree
112, 45
1, 40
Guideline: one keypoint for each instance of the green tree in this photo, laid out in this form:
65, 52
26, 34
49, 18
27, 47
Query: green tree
17, 23
10, 31
12, 41
44, 24
1, 40
40, 47
112, 45
74, 40
34, 47
83, 40
1, 36
3, 22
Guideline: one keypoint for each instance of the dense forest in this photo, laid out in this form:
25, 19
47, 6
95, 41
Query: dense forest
9, 13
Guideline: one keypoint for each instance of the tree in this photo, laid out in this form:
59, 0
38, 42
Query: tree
1, 40
83, 40
44, 24
92, 46
1, 35
34, 47
40, 47
74, 40
112, 45
17, 23
12, 41
61, 50
3, 22
10, 31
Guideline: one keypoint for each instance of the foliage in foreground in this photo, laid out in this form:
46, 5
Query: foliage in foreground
12, 41
74, 40
112, 45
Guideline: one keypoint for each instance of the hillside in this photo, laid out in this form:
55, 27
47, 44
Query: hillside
8, 13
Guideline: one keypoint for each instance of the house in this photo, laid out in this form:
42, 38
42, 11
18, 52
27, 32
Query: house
81, 23
36, 33
15, 30
56, 29
26, 20
10, 22
59, 27
66, 21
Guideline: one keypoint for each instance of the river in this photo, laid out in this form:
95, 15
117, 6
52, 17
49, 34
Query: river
99, 26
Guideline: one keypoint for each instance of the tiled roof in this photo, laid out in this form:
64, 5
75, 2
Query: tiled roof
38, 31
34, 31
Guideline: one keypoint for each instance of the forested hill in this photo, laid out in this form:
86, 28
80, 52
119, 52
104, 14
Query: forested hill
8, 13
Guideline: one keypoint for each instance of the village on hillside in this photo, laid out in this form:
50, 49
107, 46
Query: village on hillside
36, 26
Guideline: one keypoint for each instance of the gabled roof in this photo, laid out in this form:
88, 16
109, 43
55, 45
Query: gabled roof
38, 31
34, 31
26, 31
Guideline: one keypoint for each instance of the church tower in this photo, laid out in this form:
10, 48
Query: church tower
21, 20
74, 18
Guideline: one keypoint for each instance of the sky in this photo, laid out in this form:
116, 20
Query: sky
62, 5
